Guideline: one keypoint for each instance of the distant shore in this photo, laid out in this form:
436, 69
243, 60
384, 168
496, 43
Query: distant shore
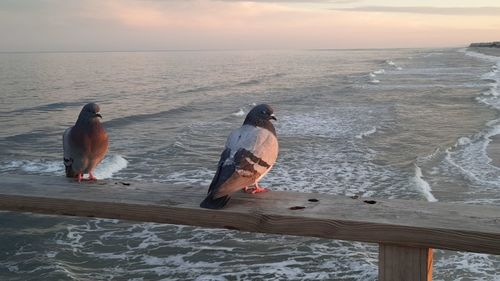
495, 44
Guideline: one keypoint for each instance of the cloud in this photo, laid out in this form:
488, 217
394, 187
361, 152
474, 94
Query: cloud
219, 24
460, 11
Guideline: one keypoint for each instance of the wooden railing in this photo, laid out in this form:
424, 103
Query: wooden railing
406, 231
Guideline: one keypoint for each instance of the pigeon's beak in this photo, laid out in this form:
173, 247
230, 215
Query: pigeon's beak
98, 115
273, 117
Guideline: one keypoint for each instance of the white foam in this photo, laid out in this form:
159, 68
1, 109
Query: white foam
239, 113
34, 166
372, 74
13, 268
490, 74
289, 258
429, 157
464, 169
110, 165
393, 64
479, 267
390, 62
380, 71
195, 176
206, 277
422, 185
469, 156
71, 239
374, 81
344, 165
371, 131
463, 141
335, 122
482, 56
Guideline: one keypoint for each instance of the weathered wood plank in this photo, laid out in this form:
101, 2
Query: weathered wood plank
404, 263
396, 222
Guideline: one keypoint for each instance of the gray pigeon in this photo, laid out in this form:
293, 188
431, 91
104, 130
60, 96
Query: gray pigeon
85, 144
250, 152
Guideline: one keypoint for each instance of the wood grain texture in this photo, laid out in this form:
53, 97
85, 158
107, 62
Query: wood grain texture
421, 224
398, 263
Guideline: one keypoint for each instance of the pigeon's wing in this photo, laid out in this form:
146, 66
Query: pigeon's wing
252, 152
225, 169
98, 148
264, 153
222, 174
68, 153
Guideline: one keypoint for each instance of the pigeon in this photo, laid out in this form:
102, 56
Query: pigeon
250, 152
85, 144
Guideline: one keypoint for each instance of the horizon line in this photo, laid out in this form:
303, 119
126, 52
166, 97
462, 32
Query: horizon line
219, 50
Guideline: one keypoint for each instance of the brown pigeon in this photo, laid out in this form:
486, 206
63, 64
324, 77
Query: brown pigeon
85, 144
250, 152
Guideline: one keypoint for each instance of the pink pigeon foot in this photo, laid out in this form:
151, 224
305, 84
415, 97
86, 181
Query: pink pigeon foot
256, 189
259, 189
79, 177
92, 177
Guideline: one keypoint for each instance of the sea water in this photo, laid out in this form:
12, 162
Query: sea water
409, 123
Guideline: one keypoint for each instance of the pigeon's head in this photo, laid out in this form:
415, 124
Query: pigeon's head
90, 111
261, 113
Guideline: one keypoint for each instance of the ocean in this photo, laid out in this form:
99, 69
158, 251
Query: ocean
387, 123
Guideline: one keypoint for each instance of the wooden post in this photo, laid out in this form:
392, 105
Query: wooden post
396, 263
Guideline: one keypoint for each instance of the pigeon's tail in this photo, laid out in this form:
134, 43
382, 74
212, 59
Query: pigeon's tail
69, 172
214, 203
68, 165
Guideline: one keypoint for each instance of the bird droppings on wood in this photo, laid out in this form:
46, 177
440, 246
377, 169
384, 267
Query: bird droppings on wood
370, 201
168, 202
231, 227
313, 200
297, 208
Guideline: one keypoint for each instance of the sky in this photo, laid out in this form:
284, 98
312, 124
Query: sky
130, 25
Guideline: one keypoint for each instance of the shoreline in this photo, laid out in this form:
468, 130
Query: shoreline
493, 148
490, 51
